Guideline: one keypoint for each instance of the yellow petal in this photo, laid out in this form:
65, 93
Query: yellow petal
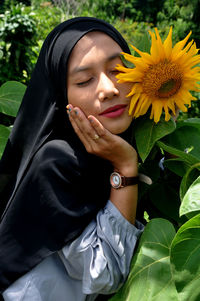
123, 69
182, 43
145, 56
189, 46
181, 106
167, 115
145, 105
182, 53
136, 88
168, 44
157, 110
170, 104
133, 102
183, 56
193, 50
130, 77
193, 61
129, 57
137, 112
160, 45
154, 49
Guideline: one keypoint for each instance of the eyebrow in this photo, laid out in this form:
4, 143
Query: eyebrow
89, 67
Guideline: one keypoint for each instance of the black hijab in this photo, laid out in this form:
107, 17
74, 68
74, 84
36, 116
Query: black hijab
50, 187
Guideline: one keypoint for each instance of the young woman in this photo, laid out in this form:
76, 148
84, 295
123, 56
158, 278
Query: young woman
68, 228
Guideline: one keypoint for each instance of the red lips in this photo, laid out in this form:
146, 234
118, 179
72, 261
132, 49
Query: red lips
114, 111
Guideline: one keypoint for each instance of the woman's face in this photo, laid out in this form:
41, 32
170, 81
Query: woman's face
92, 85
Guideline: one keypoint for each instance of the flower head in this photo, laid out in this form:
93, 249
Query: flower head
162, 79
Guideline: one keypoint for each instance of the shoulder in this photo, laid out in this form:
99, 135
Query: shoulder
56, 156
56, 149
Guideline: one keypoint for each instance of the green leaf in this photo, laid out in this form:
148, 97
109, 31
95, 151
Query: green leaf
185, 258
150, 277
11, 94
4, 133
147, 132
185, 139
190, 176
177, 166
187, 158
194, 122
166, 199
191, 200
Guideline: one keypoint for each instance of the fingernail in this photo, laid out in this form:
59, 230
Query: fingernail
90, 120
67, 107
76, 112
69, 110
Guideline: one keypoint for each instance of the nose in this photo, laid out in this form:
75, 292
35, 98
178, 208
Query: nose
106, 88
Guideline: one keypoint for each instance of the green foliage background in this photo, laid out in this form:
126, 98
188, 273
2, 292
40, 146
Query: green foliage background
25, 24
165, 266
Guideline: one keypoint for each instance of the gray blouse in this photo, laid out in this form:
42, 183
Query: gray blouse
97, 262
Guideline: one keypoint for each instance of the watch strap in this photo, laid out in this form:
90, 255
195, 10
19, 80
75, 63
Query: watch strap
127, 181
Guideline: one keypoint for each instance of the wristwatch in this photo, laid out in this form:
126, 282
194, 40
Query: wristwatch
118, 181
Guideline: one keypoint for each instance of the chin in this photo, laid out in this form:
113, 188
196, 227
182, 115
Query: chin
119, 129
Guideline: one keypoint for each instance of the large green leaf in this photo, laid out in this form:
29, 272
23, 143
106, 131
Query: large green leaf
147, 132
166, 199
150, 278
194, 122
186, 139
4, 133
11, 94
177, 166
189, 177
185, 258
191, 200
186, 157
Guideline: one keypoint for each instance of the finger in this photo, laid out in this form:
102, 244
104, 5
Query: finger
85, 132
92, 130
77, 130
75, 126
99, 128
84, 125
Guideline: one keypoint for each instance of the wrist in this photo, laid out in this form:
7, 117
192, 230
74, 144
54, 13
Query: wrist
127, 169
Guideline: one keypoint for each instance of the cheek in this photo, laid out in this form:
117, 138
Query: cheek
81, 99
125, 88
74, 96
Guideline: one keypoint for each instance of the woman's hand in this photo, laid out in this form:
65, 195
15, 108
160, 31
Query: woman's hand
114, 149
99, 141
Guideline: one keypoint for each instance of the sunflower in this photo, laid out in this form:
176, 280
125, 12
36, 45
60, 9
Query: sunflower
163, 78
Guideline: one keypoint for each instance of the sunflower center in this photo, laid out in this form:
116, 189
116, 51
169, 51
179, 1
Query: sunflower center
162, 80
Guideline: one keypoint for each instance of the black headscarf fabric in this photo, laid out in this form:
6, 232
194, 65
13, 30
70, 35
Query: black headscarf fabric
50, 187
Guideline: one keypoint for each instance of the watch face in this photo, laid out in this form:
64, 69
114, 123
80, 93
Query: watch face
115, 180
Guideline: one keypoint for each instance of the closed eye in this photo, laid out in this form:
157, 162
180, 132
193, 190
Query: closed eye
84, 83
115, 71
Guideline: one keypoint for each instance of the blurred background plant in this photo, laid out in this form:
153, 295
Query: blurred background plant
25, 24
17, 37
